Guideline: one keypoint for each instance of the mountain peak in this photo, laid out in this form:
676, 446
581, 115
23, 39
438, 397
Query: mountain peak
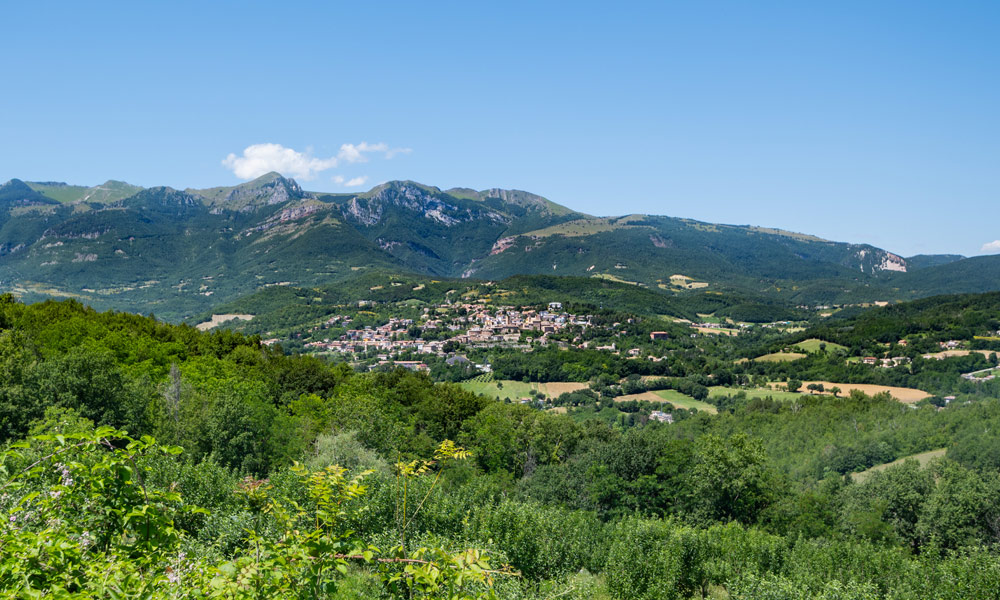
267, 190
15, 184
269, 177
17, 192
400, 185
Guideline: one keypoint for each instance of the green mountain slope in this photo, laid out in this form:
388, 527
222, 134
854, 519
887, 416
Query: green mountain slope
440, 233
17, 193
655, 251
109, 191
180, 252
969, 275
266, 190
169, 252
922, 261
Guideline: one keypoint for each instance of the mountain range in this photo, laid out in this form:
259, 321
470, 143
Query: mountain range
178, 253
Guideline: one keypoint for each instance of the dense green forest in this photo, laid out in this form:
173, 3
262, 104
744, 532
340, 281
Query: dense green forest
148, 460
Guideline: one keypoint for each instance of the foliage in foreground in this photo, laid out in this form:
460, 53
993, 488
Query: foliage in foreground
81, 522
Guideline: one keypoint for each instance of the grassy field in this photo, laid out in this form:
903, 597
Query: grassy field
986, 373
615, 278
683, 281
681, 401
812, 345
780, 357
677, 399
508, 388
923, 458
719, 390
580, 227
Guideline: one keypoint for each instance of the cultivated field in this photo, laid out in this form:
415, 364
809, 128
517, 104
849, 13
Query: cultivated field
674, 397
952, 353
508, 388
904, 395
219, 320
686, 282
715, 331
615, 278
780, 395
780, 357
923, 458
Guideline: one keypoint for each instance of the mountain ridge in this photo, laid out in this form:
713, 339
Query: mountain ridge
182, 251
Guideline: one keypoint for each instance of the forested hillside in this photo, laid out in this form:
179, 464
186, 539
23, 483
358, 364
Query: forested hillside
179, 254
143, 459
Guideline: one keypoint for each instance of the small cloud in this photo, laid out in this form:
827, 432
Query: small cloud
394, 151
356, 153
259, 159
991, 247
353, 182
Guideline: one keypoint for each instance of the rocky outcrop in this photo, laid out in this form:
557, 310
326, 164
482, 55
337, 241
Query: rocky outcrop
257, 194
873, 260
429, 203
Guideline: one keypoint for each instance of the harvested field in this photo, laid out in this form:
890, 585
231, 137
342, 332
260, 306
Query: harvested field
217, 320
715, 331
686, 282
677, 399
951, 353
904, 395
509, 388
780, 357
556, 388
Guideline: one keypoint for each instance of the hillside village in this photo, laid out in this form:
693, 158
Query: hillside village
466, 325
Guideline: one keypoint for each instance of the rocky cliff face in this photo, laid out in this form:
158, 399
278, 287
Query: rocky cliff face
873, 261
270, 230
419, 201
267, 190
278, 190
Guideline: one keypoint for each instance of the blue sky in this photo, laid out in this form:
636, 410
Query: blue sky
859, 121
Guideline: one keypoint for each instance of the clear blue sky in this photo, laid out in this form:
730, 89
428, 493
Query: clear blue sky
858, 121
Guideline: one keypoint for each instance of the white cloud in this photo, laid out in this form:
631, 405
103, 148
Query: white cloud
394, 151
356, 153
991, 247
259, 159
353, 182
